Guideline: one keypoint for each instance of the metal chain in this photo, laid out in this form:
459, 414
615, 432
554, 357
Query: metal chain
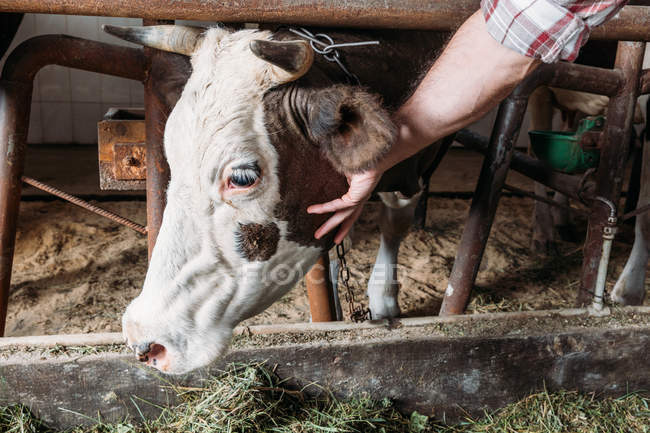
324, 45
355, 309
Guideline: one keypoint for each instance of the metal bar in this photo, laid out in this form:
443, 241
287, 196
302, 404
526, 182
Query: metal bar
15, 101
320, 291
611, 169
484, 204
442, 15
156, 114
30, 56
645, 82
420, 215
546, 200
573, 77
532, 168
84, 204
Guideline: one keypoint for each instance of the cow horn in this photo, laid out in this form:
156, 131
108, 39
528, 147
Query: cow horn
294, 58
176, 39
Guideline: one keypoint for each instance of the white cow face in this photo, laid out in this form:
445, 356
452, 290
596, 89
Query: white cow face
229, 244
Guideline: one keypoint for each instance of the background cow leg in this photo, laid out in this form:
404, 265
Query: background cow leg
562, 220
540, 108
630, 287
543, 240
334, 278
394, 221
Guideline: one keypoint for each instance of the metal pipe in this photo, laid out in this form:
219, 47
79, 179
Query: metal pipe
156, 114
320, 291
546, 200
15, 100
609, 231
484, 204
441, 15
611, 170
572, 76
645, 82
30, 56
532, 168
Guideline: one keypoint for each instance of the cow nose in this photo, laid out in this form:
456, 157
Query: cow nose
152, 354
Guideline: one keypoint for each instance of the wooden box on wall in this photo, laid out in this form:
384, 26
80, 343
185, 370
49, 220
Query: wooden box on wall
122, 151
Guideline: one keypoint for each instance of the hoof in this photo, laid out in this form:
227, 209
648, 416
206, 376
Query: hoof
627, 297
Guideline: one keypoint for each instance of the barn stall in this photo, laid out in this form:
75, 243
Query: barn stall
565, 339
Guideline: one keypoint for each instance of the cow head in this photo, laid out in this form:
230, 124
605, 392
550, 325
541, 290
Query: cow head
249, 149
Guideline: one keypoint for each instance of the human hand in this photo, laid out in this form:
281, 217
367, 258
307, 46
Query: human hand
347, 208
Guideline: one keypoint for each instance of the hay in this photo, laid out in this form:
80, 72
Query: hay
251, 398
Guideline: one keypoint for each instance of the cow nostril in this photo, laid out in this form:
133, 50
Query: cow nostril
142, 350
152, 353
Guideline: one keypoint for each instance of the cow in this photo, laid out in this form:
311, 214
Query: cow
262, 129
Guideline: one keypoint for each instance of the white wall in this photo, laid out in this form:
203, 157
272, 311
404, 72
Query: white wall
68, 103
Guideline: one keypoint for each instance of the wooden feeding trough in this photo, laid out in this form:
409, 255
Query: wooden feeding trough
446, 367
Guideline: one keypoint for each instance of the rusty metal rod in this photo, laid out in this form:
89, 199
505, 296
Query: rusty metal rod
484, 202
546, 200
572, 76
532, 168
636, 212
84, 204
645, 82
157, 111
15, 100
33, 54
441, 15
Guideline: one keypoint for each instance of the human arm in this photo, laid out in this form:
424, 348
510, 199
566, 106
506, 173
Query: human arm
465, 87
481, 65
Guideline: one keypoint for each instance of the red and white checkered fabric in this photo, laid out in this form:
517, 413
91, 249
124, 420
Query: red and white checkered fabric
546, 29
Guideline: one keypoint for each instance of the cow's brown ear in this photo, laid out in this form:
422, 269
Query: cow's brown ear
350, 125
291, 59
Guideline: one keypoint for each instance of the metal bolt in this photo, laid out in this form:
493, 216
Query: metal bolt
131, 161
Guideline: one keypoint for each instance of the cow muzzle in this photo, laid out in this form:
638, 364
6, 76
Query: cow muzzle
152, 354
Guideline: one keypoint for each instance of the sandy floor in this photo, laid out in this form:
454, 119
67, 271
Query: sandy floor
76, 272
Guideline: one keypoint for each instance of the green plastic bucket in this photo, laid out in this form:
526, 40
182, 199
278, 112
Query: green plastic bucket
562, 150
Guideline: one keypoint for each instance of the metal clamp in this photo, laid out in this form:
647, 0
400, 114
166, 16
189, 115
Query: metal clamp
324, 45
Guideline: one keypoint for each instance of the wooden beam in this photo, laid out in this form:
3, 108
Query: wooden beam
444, 367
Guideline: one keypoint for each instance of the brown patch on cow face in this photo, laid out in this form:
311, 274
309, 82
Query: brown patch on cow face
306, 176
257, 242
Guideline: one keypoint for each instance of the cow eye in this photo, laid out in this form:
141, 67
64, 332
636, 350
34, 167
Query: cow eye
244, 176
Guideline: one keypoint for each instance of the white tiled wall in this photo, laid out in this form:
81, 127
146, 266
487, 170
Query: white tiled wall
68, 103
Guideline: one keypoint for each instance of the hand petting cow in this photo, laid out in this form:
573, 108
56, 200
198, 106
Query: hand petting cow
261, 130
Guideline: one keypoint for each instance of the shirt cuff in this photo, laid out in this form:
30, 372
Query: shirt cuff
537, 28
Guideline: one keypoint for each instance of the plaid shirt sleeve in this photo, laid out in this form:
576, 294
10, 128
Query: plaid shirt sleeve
546, 29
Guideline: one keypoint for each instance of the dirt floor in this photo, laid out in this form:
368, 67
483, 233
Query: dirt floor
76, 272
